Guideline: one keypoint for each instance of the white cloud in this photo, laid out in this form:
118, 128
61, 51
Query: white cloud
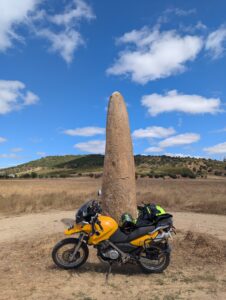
65, 42
176, 154
30, 98
2, 140
85, 131
180, 140
67, 38
13, 13
216, 149
177, 140
10, 155
172, 13
14, 96
180, 12
74, 12
218, 130
181, 155
36, 140
40, 153
153, 132
215, 42
16, 150
60, 29
95, 146
174, 101
155, 54
153, 149
200, 26
194, 28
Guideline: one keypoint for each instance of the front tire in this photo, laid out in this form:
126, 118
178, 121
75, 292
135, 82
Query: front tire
62, 251
154, 260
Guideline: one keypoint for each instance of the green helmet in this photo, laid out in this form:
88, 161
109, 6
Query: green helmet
126, 219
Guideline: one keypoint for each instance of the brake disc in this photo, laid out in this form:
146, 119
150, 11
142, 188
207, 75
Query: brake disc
67, 253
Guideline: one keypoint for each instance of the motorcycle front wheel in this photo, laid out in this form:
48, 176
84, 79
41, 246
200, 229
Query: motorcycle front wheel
63, 250
154, 260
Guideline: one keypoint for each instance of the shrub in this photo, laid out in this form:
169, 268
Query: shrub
185, 172
25, 175
161, 175
96, 176
171, 175
34, 175
218, 173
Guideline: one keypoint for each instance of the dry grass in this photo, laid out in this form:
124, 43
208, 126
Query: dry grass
191, 274
200, 195
19, 196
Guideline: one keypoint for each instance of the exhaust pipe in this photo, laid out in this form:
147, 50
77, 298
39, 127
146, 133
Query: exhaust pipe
163, 236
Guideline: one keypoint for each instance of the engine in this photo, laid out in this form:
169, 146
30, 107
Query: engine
111, 253
106, 252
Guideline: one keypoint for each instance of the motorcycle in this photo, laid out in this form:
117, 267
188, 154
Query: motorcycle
146, 245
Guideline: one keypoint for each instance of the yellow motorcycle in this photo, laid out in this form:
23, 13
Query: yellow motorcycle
146, 245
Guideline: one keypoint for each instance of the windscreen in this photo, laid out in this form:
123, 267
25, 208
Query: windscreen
83, 212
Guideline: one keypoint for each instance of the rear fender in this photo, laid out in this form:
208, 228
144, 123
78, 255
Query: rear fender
142, 240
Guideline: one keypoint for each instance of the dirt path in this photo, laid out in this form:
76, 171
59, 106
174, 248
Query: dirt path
40, 224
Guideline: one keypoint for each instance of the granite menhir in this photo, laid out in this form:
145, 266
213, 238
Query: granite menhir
119, 186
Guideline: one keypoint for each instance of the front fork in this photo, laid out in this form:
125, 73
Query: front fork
80, 240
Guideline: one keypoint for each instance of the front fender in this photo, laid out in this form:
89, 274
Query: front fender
77, 228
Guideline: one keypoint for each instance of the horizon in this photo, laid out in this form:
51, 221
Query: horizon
61, 61
85, 154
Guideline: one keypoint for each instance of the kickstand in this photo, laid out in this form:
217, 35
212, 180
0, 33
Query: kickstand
109, 271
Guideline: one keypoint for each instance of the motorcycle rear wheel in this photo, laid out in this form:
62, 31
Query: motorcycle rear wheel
156, 264
62, 251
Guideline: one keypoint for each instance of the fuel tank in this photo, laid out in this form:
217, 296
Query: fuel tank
109, 227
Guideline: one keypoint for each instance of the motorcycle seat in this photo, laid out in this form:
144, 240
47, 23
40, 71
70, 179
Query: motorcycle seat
121, 237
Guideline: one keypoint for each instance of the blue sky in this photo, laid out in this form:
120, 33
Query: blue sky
61, 60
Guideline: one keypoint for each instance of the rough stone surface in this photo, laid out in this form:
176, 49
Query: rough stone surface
119, 186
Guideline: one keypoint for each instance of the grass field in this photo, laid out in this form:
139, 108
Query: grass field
25, 196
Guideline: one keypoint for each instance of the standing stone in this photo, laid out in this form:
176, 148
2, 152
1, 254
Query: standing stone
119, 186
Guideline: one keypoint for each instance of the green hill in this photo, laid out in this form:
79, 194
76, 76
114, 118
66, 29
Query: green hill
92, 165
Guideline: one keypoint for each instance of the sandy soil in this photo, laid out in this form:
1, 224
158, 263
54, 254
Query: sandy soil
197, 270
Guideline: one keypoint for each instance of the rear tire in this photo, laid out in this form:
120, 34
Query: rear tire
147, 265
63, 262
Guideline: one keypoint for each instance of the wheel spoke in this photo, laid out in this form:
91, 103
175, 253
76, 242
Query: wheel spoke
154, 259
64, 255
